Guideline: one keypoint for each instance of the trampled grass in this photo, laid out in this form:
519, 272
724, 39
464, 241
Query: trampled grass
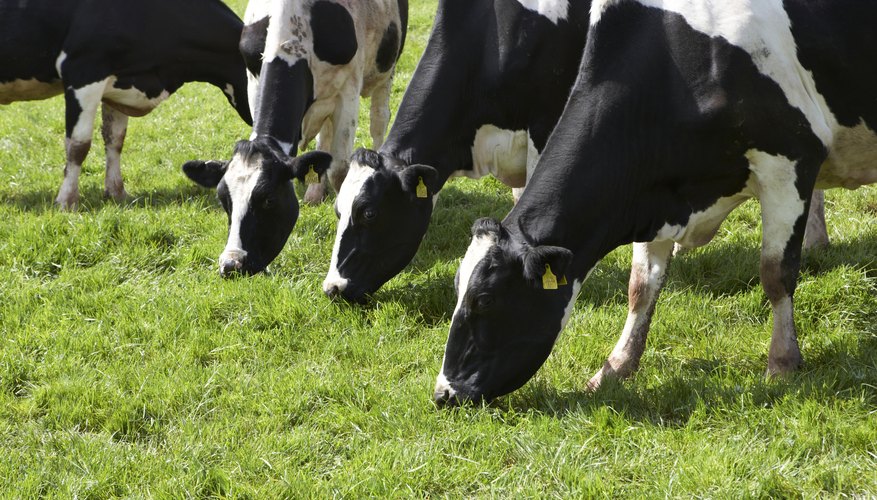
129, 368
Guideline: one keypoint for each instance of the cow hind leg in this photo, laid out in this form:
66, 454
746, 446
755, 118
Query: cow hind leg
816, 235
315, 193
379, 114
647, 273
784, 217
113, 128
344, 121
81, 107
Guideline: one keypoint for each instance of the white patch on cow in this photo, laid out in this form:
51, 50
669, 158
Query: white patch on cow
502, 153
229, 91
762, 28
774, 182
555, 10
241, 179
60, 62
852, 159
28, 90
442, 385
350, 189
476, 252
567, 311
290, 38
131, 101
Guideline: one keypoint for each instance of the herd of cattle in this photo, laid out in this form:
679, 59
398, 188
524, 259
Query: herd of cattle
628, 121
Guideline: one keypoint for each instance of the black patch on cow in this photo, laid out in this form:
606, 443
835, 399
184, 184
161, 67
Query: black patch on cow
252, 44
837, 43
72, 109
334, 33
388, 51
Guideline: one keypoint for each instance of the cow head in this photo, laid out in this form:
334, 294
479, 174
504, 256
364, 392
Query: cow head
255, 189
512, 302
383, 211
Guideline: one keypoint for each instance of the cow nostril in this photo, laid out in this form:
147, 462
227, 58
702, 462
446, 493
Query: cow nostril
229, 266
442, 397
333, 291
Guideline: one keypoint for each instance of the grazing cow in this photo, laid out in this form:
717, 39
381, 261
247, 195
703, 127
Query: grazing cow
682, 110
129, 55
309, 61
487, 92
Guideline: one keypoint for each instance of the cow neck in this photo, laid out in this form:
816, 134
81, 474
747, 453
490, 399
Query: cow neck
285, 93
582, 195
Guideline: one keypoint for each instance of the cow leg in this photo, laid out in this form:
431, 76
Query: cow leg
315, 193
379, 116
81, 108
647, 272
344, 120
783, 214
113, 127
816, 235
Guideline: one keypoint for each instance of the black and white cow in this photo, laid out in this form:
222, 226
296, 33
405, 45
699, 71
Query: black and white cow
309, 62
486, 94
682, 110
129, 55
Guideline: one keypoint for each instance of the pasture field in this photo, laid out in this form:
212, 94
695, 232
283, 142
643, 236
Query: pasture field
129, 368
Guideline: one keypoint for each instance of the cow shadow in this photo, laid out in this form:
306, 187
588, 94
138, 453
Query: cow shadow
41, 201
833, 371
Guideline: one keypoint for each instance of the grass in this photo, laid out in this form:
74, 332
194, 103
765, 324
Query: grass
129, 368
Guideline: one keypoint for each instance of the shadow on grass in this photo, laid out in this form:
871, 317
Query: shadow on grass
93, 200
838, 371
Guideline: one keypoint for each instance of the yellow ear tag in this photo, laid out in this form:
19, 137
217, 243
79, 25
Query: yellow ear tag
312, 177
562, 280
549, 280
421, 188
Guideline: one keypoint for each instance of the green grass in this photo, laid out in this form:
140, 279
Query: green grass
129, 368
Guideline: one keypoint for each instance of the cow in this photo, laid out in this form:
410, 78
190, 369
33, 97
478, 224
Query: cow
308, 61
486, 93
130, 56
681, 111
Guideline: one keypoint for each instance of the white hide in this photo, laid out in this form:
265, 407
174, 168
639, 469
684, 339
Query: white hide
508, 155
356, 177
28, 90
554, 10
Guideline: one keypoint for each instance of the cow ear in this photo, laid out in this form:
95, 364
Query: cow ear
309, 167
205, 173
546, 266
420, 181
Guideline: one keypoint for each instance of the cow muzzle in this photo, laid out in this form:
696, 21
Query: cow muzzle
231, 263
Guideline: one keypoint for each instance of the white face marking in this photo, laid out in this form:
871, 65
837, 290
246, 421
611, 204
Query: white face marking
775, 178
241, 179
762, 28
350, 189
555, 10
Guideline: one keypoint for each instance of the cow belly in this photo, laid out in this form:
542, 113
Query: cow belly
852, 161
702, 226
501, 153
132, 101
28, 90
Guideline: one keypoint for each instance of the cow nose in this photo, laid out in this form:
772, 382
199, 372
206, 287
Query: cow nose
228, 267
332, 291
442, 397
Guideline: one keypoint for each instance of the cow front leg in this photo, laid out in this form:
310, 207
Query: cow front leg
379, 113
784, 216
344, 120
113, 128
647, 272
81, 107
816, 235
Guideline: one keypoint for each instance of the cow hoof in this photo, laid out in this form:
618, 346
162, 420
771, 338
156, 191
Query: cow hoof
783, 367
117, 196
67, 204
315, 194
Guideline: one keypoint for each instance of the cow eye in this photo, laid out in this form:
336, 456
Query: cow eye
369, 214
268, 203
483, 302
